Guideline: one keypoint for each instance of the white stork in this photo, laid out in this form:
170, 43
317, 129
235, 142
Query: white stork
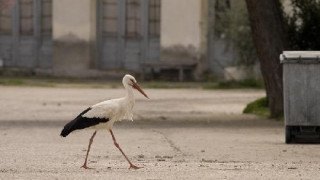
104, 114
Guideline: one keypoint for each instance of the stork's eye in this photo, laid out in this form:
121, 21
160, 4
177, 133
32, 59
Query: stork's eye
132, 80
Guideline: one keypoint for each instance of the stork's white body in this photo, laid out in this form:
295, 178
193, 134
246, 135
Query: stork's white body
114, 110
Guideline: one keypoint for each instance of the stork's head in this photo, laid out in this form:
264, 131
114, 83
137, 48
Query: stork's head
129, 80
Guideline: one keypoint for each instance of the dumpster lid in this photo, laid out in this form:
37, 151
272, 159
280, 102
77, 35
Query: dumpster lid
303, 57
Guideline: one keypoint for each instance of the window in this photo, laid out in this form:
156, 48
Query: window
133, 18
5, 18
110, 17
154, 18
26, 17
46, 17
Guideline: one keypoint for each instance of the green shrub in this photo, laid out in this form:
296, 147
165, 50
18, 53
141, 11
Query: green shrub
247, 83
304, 25
258, 107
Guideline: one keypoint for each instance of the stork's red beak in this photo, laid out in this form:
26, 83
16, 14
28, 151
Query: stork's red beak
137, 87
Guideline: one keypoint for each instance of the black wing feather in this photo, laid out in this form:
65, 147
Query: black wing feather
81, 122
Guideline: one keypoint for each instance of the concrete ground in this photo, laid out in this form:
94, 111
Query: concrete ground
178, 134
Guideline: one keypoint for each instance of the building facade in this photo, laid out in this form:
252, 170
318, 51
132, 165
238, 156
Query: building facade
97, 37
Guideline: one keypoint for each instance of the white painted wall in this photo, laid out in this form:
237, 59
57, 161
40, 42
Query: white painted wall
72, 17
74, 32
180, 23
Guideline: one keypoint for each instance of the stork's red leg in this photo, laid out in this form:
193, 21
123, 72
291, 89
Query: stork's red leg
117, 145
90, 142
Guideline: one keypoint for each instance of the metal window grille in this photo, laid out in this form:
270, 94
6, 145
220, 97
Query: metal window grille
26, 17
46, 17
5, 18
110, 17
154, 18
133, 18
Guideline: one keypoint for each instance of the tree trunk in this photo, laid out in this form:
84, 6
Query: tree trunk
266, 19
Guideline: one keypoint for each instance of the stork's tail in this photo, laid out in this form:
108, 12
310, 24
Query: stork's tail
65, 133
71, 126
68, 128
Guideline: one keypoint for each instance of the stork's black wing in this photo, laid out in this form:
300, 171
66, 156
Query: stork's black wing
81, 122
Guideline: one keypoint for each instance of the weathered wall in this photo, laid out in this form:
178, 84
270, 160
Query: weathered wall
73, 35
184, 31
180, 23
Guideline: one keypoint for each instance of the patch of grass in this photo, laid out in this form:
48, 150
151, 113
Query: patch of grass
211, 85
102, 83
247, 83
11, 82
52, 82
170, 85
258, 107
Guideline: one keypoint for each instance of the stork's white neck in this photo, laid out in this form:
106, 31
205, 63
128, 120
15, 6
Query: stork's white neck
129, 90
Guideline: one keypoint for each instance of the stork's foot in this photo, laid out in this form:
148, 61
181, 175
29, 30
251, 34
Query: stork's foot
85, 167
134, 167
